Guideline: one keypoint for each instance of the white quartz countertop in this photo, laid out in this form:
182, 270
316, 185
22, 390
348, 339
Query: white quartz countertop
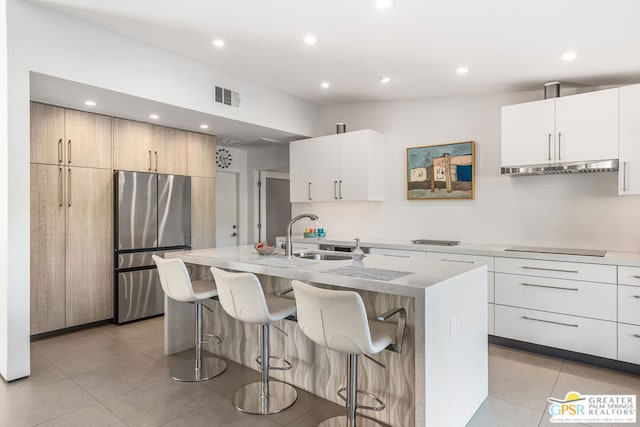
423, 274
611, 257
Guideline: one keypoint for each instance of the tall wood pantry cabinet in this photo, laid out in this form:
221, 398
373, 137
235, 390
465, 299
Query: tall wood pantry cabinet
71, 218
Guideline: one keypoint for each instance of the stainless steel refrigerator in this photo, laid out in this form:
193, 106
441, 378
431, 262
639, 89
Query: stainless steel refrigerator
152, 216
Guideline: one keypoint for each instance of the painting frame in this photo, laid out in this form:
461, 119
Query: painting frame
441, 172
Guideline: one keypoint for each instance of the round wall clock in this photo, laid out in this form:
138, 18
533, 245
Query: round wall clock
223, 158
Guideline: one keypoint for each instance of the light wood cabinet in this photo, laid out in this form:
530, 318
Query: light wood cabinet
47, 248
66, 137
571, 128
203, 212
201, 155
89, 267
143, 147
629, 144
71, 246
342, 167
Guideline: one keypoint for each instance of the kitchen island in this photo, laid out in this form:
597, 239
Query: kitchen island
441, 376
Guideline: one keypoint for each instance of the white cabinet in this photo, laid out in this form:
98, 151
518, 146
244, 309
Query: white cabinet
567, 129
629, 343
341, 167
629, 167
398, 253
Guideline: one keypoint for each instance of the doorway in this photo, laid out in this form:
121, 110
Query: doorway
226, 209
275, 206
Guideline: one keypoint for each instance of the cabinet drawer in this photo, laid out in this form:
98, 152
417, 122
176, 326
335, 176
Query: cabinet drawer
557, 269
597, 300
629, 304
398, 253
589, 336
628, 343
471, 259
629, 275
491, 324
491, 287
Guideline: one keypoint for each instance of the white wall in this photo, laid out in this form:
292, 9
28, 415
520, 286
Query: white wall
581, 211
49, 43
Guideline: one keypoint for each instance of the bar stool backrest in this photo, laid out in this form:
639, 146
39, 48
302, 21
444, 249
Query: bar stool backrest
174, 278
241, 296
336, 320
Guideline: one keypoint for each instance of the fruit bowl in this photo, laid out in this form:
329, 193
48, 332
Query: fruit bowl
264, 248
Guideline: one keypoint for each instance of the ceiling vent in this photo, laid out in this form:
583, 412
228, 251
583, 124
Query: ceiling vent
225, 96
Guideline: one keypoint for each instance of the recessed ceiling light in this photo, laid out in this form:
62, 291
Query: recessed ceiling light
325, 85
218, 43
154, 116
385, 79
310, 40
383, 4
462, 70
569, 56
90, 103
203, 126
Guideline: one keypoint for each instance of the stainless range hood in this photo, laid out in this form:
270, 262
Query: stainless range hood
561, 168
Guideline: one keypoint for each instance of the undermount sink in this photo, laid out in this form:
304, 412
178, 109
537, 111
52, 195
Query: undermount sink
321, 256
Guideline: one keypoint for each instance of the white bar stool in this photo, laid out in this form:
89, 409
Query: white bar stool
178, 286
242, 297
338, 321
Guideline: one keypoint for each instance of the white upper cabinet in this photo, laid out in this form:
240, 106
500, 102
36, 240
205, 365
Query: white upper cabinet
567, 129
528, 133
587, 126
629, 168
342, 167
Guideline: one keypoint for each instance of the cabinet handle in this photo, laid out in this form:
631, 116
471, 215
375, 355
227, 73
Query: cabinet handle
335, 190
309, 191
636, 296
456, 260
550, 269
60, 186
397, 256
69, 152
559, 145
636, 335
549, 321
60, 151
551, 287
636, 277
340, 190
624, 176
549, 147
69, 187
156, 153
150, 161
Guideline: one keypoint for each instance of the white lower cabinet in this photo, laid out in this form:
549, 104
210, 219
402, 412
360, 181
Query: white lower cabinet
628, 275
629, 343
629, 304
398, 253
579, 334
578, 298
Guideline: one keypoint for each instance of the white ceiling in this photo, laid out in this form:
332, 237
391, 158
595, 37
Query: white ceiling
508, 45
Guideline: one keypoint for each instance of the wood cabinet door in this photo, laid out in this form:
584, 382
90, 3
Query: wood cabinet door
170, 150
47, 248
132, 146
629, 168
203, 212
89, 244
301, 165
201, 155
47, 134
587, 126
528, 133
88, 140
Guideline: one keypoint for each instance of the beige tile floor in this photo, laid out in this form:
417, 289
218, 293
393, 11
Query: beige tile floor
118, 376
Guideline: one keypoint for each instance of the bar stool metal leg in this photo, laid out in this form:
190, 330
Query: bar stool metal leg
264, 397
200, 368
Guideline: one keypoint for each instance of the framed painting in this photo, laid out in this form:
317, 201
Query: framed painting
441, 171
